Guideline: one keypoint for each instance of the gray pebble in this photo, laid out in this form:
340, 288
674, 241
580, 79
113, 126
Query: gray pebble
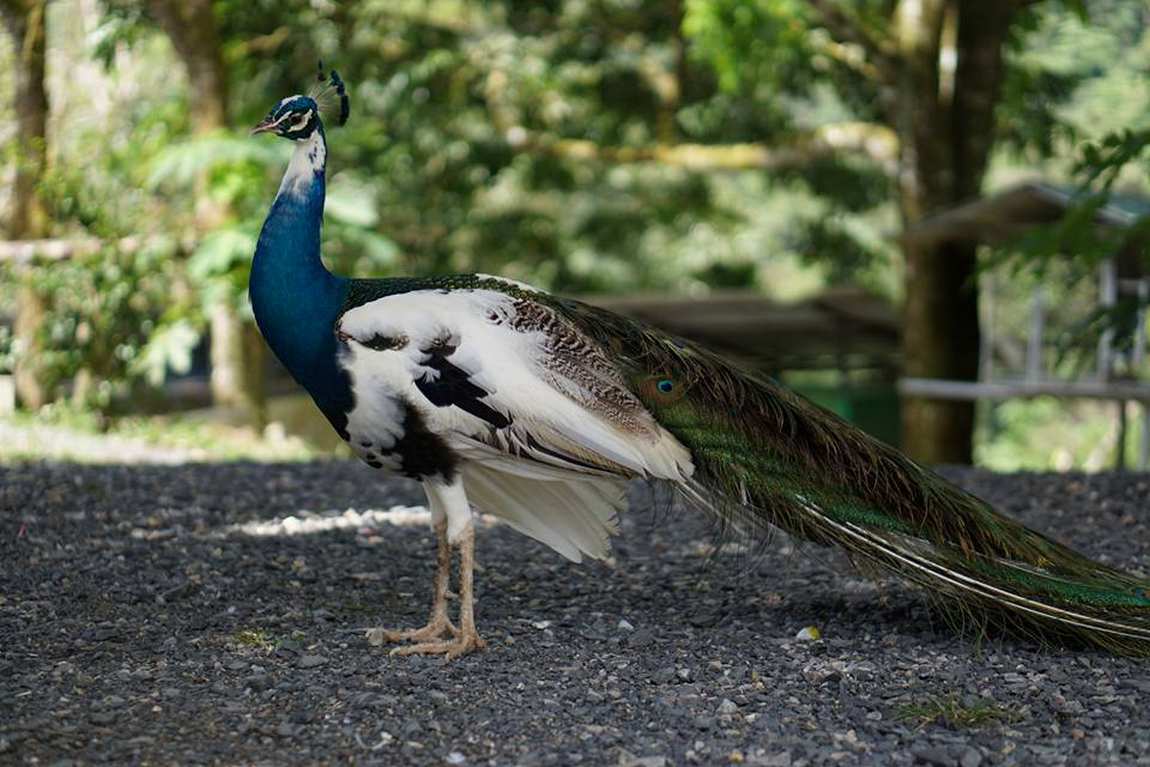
645, 761
971, 757
933, 756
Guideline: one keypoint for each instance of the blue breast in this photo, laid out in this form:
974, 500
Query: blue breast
297, 301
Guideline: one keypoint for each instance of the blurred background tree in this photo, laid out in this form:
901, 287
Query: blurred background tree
24, 21
237, 358
582, 145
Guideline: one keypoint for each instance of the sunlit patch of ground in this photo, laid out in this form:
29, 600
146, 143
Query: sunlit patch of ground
296, 432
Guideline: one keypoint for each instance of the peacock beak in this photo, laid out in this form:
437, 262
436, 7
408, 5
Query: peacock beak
265, 126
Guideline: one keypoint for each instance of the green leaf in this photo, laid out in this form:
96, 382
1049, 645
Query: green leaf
168, 348
353, 202
221, 251
181, 164
379, 251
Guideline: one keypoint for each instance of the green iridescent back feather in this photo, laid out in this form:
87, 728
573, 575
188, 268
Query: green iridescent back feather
765, 457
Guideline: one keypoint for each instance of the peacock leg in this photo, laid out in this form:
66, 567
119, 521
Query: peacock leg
467, 639
438, 624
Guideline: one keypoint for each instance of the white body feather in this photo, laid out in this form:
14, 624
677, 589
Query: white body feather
557, 472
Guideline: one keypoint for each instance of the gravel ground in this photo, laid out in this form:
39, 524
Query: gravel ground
207, 614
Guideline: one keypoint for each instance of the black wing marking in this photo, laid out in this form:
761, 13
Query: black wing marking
453, 386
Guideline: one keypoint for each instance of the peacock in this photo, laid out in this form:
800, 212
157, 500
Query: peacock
539, 410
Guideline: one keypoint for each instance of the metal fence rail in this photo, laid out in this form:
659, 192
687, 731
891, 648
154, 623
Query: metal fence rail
1036, 380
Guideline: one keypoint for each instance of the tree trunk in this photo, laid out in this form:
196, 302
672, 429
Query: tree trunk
191, 27
946, 127
237, 379
24, 20
237, 358
27, 375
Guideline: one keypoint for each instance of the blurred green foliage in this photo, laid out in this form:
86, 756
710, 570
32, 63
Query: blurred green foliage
427, 176
439, 168
112, 320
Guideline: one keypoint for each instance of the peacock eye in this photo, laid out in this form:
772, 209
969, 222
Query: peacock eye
666, 386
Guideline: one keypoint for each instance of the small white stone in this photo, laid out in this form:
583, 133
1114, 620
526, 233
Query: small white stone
645, 761
542, 625
625, 625
456, 758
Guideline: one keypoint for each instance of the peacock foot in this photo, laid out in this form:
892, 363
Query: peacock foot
438, 627
462, 644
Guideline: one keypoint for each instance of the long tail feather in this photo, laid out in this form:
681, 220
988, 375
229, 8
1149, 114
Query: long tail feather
765, 457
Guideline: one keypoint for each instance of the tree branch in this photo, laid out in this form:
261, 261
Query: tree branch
848, 28
32, 251
876, 142
263, 44
464, 25
851, 56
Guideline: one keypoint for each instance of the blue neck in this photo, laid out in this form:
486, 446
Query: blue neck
296, 300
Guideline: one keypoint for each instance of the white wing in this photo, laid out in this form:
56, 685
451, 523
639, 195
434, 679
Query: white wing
540, 416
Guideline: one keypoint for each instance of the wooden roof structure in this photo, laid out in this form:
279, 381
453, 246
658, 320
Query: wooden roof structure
839, 328
1001, 217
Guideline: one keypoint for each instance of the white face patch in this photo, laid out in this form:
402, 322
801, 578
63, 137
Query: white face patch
300, 122
276, 124
290, 121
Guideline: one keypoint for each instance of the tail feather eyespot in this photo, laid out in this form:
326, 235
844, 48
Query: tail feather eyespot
662, 389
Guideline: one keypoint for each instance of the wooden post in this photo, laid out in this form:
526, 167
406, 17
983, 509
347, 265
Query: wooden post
1144, 444
1137, 360
1034, 361
237, 356
1107, 297
1123, 429
31, 307
987, 329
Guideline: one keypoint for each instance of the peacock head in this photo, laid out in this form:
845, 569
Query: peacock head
298, 117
